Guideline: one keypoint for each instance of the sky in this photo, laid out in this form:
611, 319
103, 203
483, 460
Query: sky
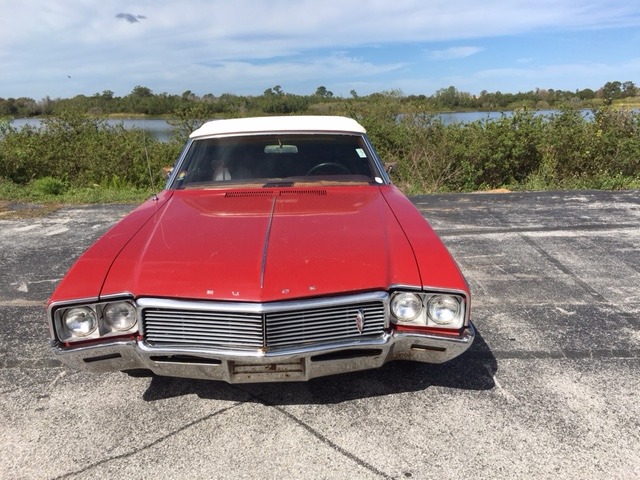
64, 48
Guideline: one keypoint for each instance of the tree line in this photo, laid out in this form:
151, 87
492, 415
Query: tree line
143, 101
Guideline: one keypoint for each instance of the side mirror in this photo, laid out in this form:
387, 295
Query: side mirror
166, 172
389, 167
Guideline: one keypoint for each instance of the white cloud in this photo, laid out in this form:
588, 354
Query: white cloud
453, 53
41, 42
542, 72
570, 76
288, 25
295, 76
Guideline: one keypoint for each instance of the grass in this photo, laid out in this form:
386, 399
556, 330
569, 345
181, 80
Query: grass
48, 192
20, 210
629, 103
46, 195
519, 153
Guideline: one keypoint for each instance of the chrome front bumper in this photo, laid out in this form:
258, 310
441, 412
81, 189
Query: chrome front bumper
240, 366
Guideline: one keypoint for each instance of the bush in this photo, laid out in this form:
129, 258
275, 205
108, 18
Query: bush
79, 157
521, 151
48, 186
82, 151
602, 152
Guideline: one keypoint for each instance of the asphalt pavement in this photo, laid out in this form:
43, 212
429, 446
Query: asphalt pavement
550, 388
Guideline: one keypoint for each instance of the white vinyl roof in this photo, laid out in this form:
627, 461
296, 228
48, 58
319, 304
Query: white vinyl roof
308, 123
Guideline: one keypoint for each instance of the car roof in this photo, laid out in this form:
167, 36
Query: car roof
299, 123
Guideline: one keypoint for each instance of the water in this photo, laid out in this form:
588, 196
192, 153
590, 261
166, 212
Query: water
470, 117
155, 127
161, 130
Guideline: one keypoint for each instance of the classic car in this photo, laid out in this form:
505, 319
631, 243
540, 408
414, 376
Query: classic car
279, 250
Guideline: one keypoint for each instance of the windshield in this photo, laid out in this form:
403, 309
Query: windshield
276, 160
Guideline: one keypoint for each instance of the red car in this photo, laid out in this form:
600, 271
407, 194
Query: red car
278, 251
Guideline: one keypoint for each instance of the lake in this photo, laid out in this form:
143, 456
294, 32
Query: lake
161, 130
156, 127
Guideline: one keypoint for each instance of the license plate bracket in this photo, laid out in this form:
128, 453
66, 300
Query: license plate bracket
268, 372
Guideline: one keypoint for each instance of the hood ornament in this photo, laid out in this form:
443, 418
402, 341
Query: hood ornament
360, 320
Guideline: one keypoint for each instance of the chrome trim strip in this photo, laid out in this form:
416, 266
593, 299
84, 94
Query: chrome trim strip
405, 286
249, 307
280, 354
266, 242
377, 161
116, 296
166, 323
79, 301
177, 165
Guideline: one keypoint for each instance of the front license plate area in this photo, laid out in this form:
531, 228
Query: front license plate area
267, 372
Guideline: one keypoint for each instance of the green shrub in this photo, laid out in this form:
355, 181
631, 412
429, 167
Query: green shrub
79, 158
521, 151
10, 190
48, 186
83, 151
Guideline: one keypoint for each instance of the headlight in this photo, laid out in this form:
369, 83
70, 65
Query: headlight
443, 309
80, 321
406, 306
95, 321
120, 316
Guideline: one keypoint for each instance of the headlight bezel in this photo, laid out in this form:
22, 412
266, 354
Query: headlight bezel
103, 328
426, 318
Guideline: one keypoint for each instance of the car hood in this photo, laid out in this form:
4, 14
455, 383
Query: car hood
264, 245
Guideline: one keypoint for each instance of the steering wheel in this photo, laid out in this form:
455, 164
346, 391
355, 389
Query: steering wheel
329, 167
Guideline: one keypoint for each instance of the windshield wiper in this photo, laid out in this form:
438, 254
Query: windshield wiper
282, 183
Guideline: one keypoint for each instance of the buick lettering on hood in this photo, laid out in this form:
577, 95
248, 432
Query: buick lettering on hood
278, 251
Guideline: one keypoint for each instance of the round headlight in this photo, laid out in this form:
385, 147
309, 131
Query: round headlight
80, 321
406, 306
120, 316
443, 309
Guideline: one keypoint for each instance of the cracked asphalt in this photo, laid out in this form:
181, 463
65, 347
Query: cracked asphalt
550, 388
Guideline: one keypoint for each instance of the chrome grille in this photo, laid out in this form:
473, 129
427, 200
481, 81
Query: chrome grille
202, 328
328, 324
259, 326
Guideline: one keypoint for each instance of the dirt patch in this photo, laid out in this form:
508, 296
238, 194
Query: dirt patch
495, 190
22, 210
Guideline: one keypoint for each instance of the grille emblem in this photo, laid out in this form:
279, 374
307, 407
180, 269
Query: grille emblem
360, 321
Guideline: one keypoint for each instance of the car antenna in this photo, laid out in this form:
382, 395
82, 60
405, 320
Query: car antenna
146, 154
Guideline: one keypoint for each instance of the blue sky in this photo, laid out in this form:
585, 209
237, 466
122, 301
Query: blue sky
68, 47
